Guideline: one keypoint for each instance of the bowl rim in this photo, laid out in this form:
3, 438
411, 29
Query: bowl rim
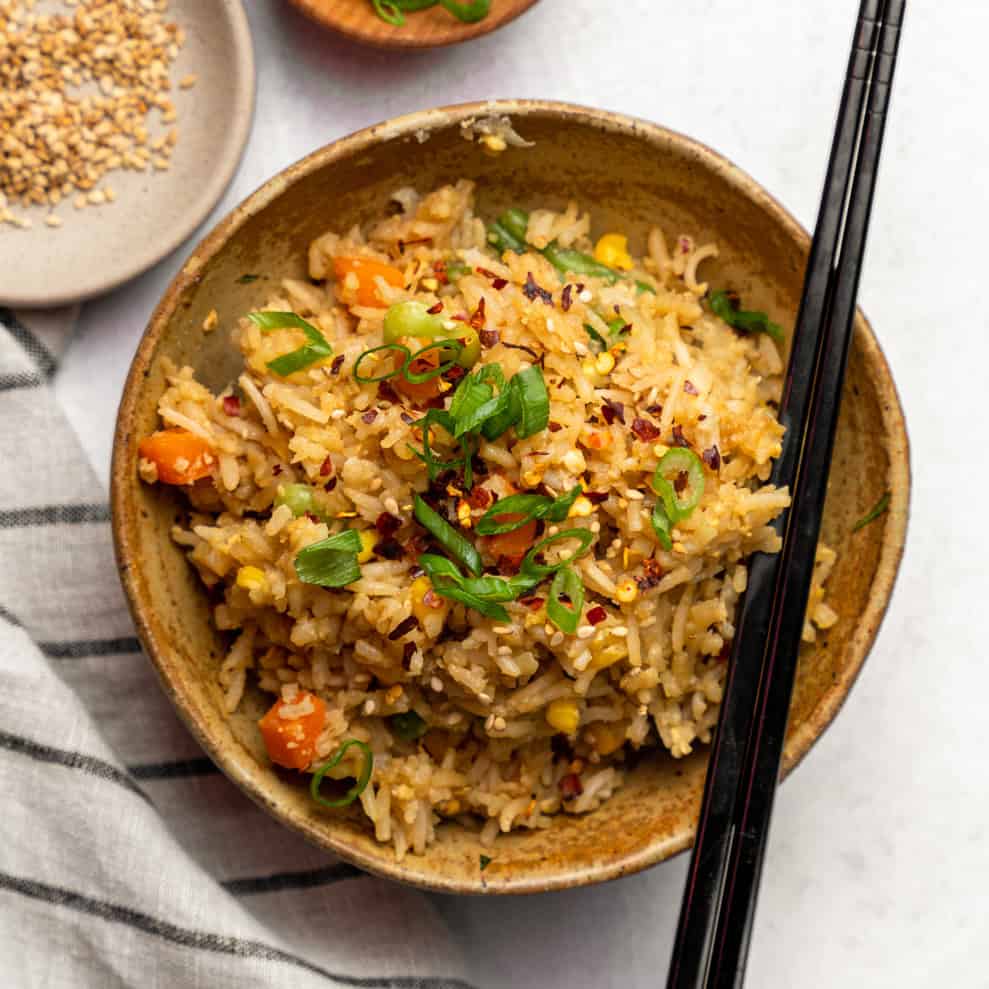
248, 778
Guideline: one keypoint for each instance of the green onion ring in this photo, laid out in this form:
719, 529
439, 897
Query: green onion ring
417, 379
357, 789
529, 565
400, 348
679, 460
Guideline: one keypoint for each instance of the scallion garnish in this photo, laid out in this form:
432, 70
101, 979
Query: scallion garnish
408, 726
878, 509
315, 350
362, 780
524, 508
661, 525
565, 615
533, 401
458, 546
531, 567
724, 305
331, 562
674, 463
420, 377
391, 372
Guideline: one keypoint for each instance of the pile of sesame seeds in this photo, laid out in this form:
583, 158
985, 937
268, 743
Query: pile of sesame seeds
78, 85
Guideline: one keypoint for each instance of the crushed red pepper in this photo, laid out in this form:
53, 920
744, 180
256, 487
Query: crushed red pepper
689, 388
596, 615
566, 300
477, 318
644, 429
612, 410
678, 438
712, 457
231, 405
532, 291
326, 468
337, 364
570, 786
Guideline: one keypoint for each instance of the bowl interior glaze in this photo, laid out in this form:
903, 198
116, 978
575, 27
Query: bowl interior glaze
633, 175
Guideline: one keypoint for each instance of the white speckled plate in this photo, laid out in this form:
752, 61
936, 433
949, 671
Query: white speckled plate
99, 247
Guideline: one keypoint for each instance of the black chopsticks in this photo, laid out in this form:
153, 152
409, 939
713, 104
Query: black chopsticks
722, 885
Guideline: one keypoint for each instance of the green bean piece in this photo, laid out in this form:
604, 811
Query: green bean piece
567, 261
661, 525
503, 240
516, 222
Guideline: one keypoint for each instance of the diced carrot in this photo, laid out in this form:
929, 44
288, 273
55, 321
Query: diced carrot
515, 544
180, 456
422, 391
366, 270
291, 742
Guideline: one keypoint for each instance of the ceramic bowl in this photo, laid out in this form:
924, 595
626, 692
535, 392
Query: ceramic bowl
634, 174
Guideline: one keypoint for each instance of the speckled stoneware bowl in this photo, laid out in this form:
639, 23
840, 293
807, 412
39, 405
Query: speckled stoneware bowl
632, 174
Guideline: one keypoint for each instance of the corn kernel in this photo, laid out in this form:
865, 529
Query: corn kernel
451, 808
564, 716
463, 513
612, 250
492, 144
368, 541
251, 578
609, 737
393, 693
429, 284
532, 478
581, 508
605, 362
589, 368
627, 591
660, 449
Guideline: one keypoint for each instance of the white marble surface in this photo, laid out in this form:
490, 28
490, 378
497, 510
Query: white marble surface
880, 850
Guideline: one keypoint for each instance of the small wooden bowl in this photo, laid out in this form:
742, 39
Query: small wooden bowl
431, 28
633, 174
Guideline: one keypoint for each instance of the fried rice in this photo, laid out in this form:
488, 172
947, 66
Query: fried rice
497, 722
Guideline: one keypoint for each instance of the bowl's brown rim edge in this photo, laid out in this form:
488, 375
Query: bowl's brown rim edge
122, 466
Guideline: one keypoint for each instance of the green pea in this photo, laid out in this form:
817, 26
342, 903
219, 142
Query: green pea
471, 353
298, 497
410, 319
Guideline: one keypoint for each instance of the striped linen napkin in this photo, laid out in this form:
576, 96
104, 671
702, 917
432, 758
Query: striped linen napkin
127, 859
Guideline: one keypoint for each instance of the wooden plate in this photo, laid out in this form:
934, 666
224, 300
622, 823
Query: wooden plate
100, 247
631, 174
430, 28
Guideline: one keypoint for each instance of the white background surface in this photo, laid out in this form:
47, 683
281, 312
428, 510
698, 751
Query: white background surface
880, 850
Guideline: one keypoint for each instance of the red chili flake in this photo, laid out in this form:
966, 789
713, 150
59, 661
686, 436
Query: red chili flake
387, 524
403, 628
678, 438
684, 245
439, 268
326, 468
554, 427
509, 564
701, 417
433, 310
479, 497
389, 549
655, 409
644, 429
369, 416
532, 291
277, 469
596, 615
579, 287
330, 484
312, 517
596, 497
387, 394
231, 405
570, 786
566, 300
431, 599
408, 650
612, 410
487, 272
489, 337
712, 457
680, 482
652, 567
688, 387
416, 546
532, 602
477, 319
652, 574
337, 364
452, 374
407, 419
499, 283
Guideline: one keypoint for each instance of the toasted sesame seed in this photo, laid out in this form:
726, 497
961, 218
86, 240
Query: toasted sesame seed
53, 221
187, 82
585, 631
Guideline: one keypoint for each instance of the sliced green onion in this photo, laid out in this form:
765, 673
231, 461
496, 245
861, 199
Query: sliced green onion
641, 286
484, 861
418, 378
450, 539
675, 462
533, 401
661, 525
455, 592
724, 305
565, 617
505, 415
596, 337
408, 726
433, 466
878, 509
397, 347
331, 562
525, 507
468, 11
531, 567
315, 350
362, 780
388, 12
410, 319
298, 497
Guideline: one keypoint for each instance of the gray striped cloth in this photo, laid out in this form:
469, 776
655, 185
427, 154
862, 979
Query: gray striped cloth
127, 859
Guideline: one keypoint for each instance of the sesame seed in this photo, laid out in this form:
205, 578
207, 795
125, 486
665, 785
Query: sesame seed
436, 684
585, 631
53, 221
187, 82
